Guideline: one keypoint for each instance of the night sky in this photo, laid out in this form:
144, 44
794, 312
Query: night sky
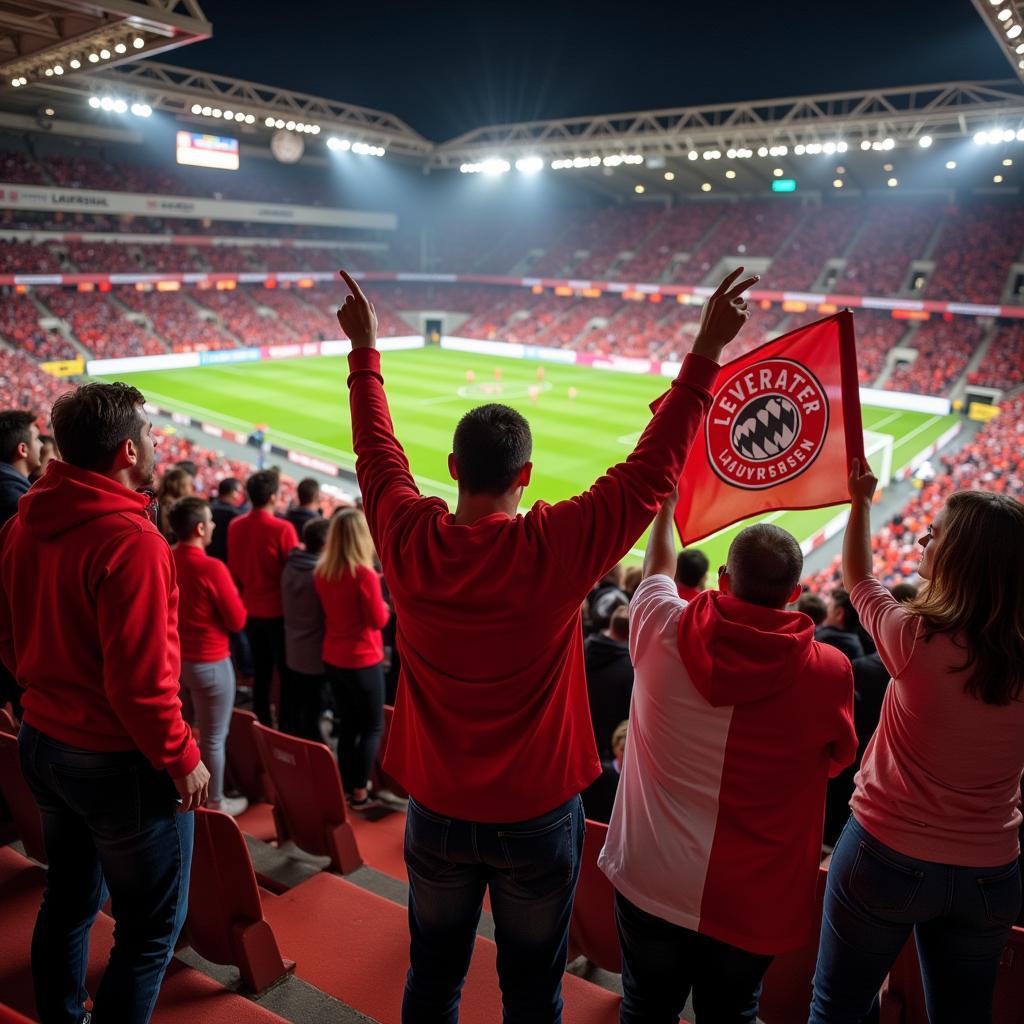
446, 68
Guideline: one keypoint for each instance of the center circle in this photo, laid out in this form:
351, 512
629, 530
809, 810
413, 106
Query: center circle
766, 427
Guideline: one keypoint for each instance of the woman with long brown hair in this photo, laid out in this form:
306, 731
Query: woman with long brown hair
353, 651
932, 845
174, 485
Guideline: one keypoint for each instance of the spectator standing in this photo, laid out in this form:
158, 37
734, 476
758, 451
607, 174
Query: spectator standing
932, 844
308, 507
210, 610
20, 456
225, 507
302, 696
609, 675
606, 597
48, 454
104, 748
691, 573
599, 796
840, 627
739, 717
491, 733
175, 484
813, 607
259, 544
353, 651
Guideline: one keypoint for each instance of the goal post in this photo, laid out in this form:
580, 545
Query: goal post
878, 450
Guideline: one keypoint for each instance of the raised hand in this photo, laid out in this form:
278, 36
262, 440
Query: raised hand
723, 315
862, 483
357, 317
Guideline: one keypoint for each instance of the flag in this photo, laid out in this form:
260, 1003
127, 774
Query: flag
781, 432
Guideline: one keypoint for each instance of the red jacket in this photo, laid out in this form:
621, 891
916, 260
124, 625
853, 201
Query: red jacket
354, 615
89, 619
210, 607
492, 722
258, 546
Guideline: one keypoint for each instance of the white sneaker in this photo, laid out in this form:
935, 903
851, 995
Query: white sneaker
233, 805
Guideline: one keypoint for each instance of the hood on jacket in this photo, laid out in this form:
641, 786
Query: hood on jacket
736, 652
67, 497
600, 651
300, 558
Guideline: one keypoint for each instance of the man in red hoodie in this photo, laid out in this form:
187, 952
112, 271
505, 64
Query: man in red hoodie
739, 718
104, 748
491, 733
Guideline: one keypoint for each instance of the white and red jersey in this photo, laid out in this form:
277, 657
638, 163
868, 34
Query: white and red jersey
738, 719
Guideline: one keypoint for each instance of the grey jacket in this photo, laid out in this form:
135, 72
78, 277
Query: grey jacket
303, 615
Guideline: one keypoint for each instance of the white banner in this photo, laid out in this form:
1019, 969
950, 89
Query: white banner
81, 200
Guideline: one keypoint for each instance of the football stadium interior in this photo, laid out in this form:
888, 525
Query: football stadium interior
182, 231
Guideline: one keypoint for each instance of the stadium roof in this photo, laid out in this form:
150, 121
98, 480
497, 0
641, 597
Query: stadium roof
37, 38
1005, 20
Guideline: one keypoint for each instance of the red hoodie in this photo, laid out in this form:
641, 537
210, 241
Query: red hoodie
492, 720
89, 619
739, 718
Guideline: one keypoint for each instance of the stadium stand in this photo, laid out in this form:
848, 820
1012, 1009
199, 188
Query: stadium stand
944, 347
825, 232
176, 317
891, 236
1003, 363
975, 252
99, 325
20, 327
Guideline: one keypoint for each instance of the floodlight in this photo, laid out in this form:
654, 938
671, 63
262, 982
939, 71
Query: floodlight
120, 107
950, 165
892, 182
692, 155
120, 48
865, 144
494, 166
105, 53
529, 164
730, 174
706, 187
925, 141
138, 42
94, 58
94, 102
837, 183
75, 63
997, 179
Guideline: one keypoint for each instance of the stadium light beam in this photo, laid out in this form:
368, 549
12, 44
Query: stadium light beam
529, 164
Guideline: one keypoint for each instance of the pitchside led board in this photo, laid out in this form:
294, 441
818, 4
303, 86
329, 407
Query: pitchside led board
199, 150
781, 432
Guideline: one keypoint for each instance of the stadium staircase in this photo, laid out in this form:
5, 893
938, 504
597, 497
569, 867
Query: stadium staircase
906, 340
63, 328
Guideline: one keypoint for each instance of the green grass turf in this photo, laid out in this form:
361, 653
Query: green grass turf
304, 404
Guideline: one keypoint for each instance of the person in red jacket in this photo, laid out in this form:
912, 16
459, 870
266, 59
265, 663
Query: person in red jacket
259, 544
210, 610
354, 615
104, 748
491, 732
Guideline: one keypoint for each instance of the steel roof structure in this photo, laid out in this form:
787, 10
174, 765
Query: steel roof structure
1005, 20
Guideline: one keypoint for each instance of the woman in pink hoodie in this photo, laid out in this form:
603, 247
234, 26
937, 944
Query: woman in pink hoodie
932, 845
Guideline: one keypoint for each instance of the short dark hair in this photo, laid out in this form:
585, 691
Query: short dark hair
228, 486
903, 592
492, 444
618, 624
189, 466
314, 535
262, 486
813, 607
93, 421
15, 429
851, 620
691, 567
185, 515
765, 563
308, 490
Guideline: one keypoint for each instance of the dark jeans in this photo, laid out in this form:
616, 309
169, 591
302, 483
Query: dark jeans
662, 962
266, 638
961, 918
531, 868
302, 703
359, 706
241, 653
110, 824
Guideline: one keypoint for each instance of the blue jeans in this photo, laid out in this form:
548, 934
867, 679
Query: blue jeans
961, 918
662, 962
531, 868
110, 824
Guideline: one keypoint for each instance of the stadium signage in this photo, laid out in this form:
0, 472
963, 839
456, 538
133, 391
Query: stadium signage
768, 424
18, 197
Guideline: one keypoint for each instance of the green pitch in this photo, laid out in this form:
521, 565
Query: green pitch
304, 404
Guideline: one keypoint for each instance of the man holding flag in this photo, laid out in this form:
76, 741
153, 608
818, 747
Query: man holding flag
739, 716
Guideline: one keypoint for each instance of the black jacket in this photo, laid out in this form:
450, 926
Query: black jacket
599, 796
298, 517
12, 486
848, 643
222, 514
609, 687
870, 681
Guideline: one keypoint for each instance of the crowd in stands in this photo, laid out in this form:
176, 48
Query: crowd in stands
175, 316
944, 346
1003, 363
825, 232
19, 325
889, 238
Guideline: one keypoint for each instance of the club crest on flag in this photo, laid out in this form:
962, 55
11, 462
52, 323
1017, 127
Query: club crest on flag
767, 425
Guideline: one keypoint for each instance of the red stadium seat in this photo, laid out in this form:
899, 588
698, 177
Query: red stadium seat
19, 799
786, 995
592, 931
309, 796
244, 772
225, 921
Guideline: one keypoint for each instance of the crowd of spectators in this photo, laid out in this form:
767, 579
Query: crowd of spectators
100, 325
176, 318
944, 345
1003, 363
825, 233
20, 327
892, 235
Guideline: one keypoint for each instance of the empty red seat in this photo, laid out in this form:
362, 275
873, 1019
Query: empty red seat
592, 931
20, 803
225, 920
244, 773
308, 796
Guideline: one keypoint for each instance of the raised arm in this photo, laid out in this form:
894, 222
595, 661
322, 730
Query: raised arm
382, 469
590, 533
857, 539
660, 557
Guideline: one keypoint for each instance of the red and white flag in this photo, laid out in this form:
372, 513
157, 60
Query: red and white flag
781, 432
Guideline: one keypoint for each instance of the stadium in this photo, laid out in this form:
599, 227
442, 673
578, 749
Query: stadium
180, 230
